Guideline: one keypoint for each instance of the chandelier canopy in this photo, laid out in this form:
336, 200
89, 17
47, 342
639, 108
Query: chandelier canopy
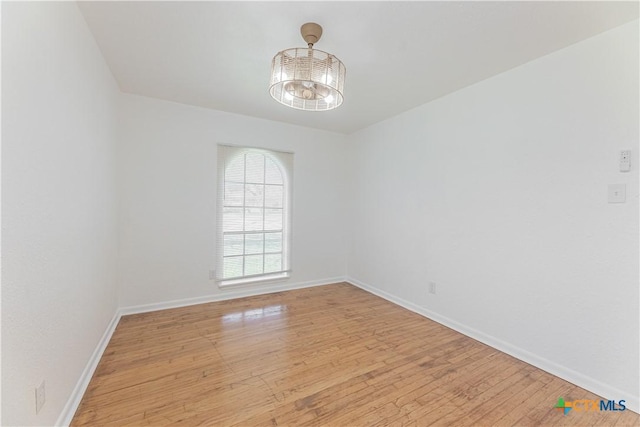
307, 78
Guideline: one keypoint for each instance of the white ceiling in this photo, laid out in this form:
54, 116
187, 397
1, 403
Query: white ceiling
398, 54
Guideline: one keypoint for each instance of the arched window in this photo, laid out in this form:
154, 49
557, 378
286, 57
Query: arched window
254, 200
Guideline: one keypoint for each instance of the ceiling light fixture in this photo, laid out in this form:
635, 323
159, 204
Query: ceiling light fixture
307, 78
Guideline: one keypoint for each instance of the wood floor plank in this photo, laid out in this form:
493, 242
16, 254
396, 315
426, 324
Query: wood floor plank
332, 355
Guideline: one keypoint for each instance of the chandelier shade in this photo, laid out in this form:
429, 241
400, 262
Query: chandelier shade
306, 78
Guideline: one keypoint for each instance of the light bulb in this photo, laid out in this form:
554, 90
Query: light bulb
328, 99
288, 96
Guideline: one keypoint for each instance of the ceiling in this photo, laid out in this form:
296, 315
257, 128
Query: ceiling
398, 54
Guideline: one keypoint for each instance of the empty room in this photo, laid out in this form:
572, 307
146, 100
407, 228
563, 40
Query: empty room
320, 213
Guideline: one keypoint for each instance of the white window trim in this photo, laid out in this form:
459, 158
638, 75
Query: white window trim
258, 279
227, 153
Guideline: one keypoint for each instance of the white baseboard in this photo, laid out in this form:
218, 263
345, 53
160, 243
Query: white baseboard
227, 294
71, 407
601, 389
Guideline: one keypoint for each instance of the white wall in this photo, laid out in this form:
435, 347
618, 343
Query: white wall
58, 205
498, 194
167, 219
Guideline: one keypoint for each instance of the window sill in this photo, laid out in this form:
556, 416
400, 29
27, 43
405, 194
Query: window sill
253, 280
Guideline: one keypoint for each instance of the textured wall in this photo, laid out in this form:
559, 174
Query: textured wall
58, 205
498, 194
168, 161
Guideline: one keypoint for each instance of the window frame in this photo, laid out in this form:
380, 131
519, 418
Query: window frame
227, 154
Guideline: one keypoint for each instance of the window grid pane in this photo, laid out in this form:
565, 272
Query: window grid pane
253, 243
272, 263
272, 173
253, 217
273, 242
233, 219
233, 266
234, 171
253, 264
233, 245
233, 194
273, 196
254, 168
254, 195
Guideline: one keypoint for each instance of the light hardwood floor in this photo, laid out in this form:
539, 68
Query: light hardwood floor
332, 355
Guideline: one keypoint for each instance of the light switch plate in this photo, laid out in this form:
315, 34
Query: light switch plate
625, 160
617, 193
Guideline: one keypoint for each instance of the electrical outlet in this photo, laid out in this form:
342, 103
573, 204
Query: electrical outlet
212, 274
40, 397
432, 287
617, 193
